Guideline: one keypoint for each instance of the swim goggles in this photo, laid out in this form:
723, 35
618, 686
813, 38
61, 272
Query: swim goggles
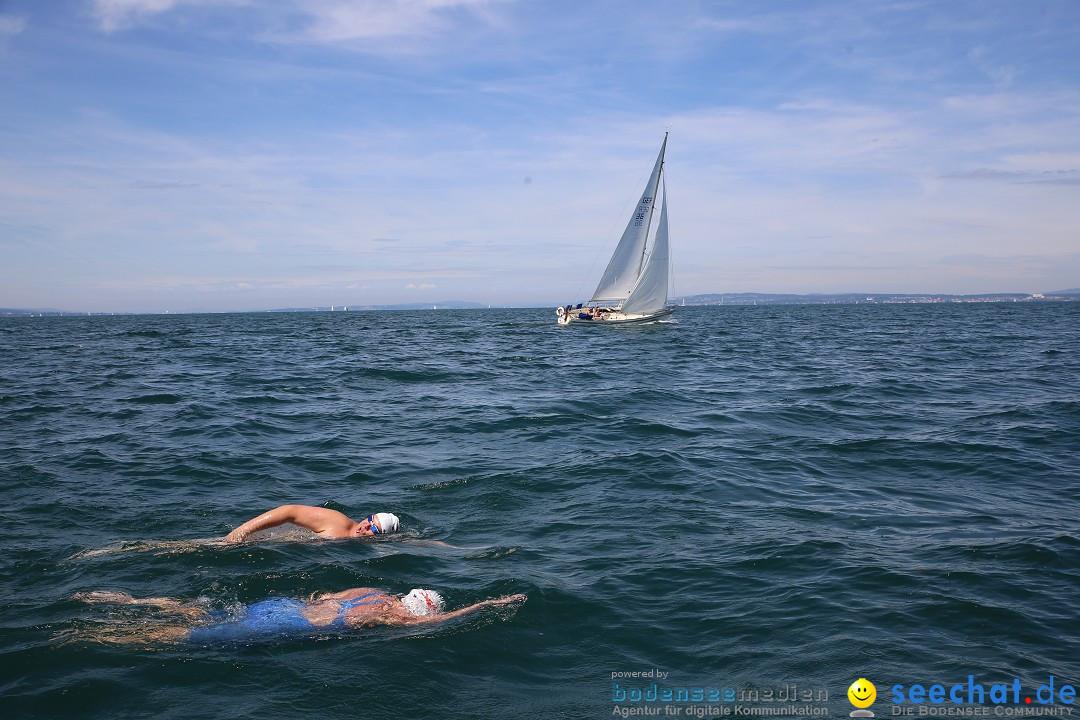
374, 527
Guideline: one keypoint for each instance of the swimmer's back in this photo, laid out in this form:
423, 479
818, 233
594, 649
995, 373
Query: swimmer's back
266, 618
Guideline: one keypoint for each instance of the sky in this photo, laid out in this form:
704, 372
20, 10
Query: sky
217, 155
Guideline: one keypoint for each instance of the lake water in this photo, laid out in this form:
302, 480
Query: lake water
747, 499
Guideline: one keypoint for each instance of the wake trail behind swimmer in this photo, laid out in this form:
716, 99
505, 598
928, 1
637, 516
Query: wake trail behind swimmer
162, 546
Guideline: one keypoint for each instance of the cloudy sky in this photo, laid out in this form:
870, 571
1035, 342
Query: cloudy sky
241, 154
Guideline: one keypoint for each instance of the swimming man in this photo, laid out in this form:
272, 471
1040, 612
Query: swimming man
324, 522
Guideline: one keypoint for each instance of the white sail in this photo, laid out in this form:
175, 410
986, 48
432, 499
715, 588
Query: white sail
650, 295
623, 270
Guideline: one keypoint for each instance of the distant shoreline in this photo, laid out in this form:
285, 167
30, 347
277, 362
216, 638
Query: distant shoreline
873, 298
738, 299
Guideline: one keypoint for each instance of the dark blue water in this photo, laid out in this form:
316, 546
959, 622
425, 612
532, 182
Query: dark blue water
749, 498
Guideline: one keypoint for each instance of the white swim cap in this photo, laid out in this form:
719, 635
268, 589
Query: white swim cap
423, 602
388, 522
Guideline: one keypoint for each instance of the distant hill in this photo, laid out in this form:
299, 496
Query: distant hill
863, 298
1073, 291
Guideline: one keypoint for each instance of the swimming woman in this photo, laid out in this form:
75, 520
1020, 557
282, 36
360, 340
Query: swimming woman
324, 522
288, 617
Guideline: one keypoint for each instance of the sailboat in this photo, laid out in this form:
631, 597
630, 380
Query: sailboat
634, 286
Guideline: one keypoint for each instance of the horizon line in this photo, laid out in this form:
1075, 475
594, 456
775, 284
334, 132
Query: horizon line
696, 300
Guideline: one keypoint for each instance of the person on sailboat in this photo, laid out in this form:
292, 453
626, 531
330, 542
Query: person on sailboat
324, 522
279, 617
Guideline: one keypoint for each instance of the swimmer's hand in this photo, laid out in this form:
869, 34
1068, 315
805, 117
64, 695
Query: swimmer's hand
517, 599
235, 536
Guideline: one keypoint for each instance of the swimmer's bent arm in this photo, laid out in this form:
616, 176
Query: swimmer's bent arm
316, 519
343, 595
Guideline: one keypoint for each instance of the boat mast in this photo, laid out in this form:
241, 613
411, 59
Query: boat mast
652, 205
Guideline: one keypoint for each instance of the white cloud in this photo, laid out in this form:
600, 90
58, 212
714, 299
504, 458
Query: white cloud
113, 15
335, 21
11, 25
121, 14
310, 21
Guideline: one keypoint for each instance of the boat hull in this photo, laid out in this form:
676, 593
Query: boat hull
617, 318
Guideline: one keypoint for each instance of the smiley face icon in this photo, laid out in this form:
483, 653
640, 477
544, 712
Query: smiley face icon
862, 693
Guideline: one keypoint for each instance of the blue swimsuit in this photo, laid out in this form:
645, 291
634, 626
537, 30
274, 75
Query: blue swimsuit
274, 617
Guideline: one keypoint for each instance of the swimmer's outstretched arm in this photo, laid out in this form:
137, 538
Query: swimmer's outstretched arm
316, 519
440, 543
517, 599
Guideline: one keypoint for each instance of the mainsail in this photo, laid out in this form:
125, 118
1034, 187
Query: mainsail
650, 295
624, 269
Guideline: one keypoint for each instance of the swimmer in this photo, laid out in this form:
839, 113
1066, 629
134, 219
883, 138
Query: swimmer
324, 522
284, 617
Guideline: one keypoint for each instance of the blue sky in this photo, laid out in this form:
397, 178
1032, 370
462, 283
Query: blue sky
241, 154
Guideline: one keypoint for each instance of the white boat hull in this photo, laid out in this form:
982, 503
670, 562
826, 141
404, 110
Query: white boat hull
615, 318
